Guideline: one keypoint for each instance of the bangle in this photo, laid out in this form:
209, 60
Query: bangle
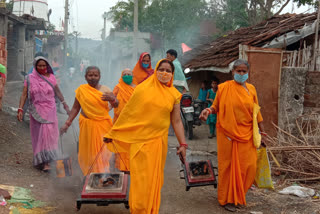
20, 110
209, 110
263, 134
63, 101
113, 101
184, 145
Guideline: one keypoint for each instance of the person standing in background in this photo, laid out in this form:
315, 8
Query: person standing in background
203, 92
212, 118
143, 69
123, 91
2, 83
179, 80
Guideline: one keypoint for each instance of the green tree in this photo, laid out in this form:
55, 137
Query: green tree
9, 5
231, 15
121, 15
175, 20
306, 2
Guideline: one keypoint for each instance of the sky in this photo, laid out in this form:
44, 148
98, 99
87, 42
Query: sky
86, 15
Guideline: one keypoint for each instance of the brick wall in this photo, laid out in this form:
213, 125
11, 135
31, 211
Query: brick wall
3, 51
312, 93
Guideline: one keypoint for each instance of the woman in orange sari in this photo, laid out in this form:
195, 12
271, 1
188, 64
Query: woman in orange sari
123, 92
237, 155
142, 131
143, 69
93, 100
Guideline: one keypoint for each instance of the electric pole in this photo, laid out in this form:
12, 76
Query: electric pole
76, 34
65, 44
104, 16
135, 30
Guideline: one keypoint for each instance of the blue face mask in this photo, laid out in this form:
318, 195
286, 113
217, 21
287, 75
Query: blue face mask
145, 65
241, 78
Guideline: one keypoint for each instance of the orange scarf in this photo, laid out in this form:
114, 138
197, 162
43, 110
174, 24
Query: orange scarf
235, 110
140, 73
91, 103
123, 96
147, 114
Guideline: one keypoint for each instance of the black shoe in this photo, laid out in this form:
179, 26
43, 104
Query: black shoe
210, 136
230, 207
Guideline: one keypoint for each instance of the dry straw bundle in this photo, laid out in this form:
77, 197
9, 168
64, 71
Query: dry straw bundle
298, 150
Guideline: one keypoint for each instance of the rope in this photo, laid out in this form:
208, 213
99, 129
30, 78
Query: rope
94, 161
114, 146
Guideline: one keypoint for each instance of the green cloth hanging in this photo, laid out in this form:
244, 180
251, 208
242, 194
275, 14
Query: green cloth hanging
3, 69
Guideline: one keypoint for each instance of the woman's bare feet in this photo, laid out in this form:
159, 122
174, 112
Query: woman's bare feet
46, 167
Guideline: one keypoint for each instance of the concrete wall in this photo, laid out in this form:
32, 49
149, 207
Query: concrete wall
312, 93
3, 40
292, 90
21, 50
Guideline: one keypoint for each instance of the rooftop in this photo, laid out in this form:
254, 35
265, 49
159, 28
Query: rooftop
224, 50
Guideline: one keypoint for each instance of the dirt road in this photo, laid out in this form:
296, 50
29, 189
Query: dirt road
61, 193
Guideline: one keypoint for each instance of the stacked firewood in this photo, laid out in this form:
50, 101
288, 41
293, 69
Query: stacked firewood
296, 153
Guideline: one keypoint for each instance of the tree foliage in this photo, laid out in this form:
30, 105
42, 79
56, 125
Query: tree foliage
179, 20
306, 2
174, 20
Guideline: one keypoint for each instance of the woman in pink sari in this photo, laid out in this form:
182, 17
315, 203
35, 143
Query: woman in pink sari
40, 88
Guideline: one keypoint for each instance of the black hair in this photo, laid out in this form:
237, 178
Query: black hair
172, 53
167, 61
215, 79
92, 67
37, 62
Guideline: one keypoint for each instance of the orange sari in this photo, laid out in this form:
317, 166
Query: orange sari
92, 129
123, 92
237, 155
143, 133
140, 73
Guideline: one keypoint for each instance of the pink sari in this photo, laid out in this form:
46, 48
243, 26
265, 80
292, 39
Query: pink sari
44, 136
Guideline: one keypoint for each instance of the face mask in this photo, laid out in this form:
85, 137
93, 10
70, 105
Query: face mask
127, 79
42, 71
241, 78
145, 65
93, 82
164, 77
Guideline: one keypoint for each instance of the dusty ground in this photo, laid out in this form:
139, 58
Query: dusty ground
61, 193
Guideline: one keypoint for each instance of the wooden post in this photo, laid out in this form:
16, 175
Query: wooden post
315, 48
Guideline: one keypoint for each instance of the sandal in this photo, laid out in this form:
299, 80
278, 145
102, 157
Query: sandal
230, 207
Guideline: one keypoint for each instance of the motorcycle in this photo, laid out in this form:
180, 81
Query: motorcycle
190, 112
